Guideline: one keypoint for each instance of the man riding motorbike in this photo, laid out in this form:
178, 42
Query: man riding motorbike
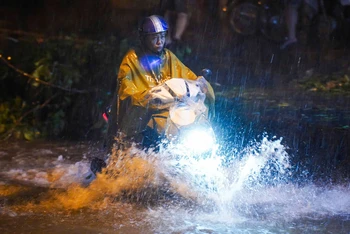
142, 69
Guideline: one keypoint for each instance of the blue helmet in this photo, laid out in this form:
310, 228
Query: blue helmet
153, 24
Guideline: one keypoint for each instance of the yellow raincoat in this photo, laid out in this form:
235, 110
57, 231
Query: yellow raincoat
136, 78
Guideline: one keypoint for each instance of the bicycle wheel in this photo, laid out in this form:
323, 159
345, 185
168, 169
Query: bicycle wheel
243, 18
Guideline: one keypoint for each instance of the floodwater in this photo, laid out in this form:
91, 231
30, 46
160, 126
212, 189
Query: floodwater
254, 183
260, 179
45, 188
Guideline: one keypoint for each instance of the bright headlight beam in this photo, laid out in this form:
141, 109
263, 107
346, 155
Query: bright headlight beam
198, 140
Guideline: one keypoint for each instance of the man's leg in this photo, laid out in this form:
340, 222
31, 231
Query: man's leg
291, 20
167, 16
181, 24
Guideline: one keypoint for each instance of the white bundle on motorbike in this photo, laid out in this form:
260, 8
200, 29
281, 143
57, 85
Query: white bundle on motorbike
173, 90
182, 97
184, 101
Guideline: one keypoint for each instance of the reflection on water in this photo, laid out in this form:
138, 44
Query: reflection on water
44, 188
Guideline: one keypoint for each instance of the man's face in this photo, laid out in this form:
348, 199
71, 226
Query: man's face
155, 42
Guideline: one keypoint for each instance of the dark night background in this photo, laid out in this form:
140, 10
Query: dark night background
294, 94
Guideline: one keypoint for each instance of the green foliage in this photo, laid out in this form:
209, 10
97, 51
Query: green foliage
333, 83
10, 114
182, 51
38, 101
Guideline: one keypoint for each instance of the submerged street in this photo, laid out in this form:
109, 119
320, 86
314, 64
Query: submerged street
282, 163
247, 188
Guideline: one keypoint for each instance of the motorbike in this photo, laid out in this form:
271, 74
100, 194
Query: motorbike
187, 126
266, 17
252, 17
182, 126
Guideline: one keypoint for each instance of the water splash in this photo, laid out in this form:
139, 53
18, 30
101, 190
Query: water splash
237, 192
147, 176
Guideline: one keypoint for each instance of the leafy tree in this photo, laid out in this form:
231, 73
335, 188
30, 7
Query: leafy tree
55, 87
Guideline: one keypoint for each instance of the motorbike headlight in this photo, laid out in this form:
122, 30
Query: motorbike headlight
198, 140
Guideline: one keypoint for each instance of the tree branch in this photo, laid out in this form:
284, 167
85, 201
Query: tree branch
36, 79
10, 131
